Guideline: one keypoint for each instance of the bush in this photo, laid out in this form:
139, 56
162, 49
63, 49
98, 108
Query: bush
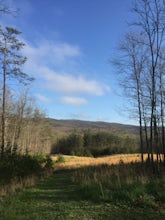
48, 162
60, 159
16, 166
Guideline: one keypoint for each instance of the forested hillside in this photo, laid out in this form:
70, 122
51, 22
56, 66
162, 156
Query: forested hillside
85, 138
63, 126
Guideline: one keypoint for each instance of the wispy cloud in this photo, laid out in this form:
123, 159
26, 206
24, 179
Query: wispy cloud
45, 62
67, 83
76, 101
42, 98
49, 52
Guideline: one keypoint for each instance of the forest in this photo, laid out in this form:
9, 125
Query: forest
94, 144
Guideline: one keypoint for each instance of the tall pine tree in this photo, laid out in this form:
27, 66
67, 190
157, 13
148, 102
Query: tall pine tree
11, 62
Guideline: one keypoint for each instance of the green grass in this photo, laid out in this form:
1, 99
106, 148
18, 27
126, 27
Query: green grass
61, 197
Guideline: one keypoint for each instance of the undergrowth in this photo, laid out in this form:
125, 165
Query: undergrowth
130, 184
17, 171
124, 191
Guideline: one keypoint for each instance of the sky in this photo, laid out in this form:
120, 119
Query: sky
68, 47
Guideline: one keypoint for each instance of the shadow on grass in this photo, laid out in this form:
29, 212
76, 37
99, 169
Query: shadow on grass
58, 198
58, 188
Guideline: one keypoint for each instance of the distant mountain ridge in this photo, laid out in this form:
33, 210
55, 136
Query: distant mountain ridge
72, 124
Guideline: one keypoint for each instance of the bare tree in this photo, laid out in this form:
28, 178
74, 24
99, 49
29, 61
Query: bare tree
143, 68
11, 61
151, 22
130, 64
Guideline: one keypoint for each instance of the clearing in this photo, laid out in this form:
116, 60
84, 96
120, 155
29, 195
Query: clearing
58, 198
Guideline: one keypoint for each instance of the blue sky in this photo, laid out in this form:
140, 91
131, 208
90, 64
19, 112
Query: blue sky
68, 45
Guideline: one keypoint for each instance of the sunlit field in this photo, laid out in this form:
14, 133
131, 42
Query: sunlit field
75, 161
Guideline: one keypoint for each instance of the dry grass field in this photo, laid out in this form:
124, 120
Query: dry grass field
75, 161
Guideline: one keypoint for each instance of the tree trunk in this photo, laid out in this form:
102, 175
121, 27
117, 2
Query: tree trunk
3, 141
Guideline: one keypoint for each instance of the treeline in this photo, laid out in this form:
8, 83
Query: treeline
94, 144
26, 129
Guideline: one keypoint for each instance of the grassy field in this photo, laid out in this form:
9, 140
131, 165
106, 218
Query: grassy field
75, 161
101, 191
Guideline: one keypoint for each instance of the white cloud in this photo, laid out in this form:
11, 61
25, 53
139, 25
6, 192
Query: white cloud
54, 53
66, 83
41, 63
43, 98
76, 101
62, 51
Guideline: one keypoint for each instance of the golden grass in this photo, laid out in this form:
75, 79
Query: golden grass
76, 161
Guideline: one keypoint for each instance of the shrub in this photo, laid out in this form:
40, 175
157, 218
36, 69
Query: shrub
48, 162
60, 159
16, 166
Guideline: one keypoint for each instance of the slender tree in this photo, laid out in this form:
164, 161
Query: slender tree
152, 25
11, 61
130, 64
143, 62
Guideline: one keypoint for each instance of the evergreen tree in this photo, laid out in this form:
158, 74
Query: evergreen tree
11, 61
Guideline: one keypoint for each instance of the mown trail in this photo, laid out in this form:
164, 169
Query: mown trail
57, 198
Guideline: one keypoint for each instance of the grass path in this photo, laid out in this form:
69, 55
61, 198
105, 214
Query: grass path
58, 199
